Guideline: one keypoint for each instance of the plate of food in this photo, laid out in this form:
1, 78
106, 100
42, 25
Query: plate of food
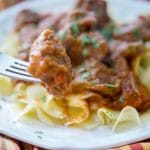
92, 87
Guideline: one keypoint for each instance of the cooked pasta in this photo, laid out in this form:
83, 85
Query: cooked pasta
142, 68
5, 86
38, 104
116, 118
11, 44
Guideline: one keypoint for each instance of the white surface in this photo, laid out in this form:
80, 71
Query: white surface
124, 11
59, 137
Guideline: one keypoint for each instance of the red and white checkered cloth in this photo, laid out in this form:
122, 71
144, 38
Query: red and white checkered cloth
11, 144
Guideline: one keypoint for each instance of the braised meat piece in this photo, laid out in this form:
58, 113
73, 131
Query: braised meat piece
94, 45
26, 27
78, 21
125, 49
30, 29
27, 34
98, 77
121, 67
134, 93
49, 62
74, 49
50, 21
117, 87
137, 30
99, 7
25, 17
86, 45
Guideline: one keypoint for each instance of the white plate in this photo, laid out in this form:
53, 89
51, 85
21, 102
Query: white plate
59, 137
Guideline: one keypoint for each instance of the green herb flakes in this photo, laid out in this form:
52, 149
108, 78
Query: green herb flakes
100, 12
85, 52
40, 137
121, 99
137, 33
3, 99
133, 49
85, 39
38, 132
80, 67
96, 81
86, 75
80, 70
109, 113
43, 98
117, 31
110, 86
62, 34
108, 30
95, 43
75, 28
51, 27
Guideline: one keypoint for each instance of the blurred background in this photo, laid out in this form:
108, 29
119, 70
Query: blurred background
7, 3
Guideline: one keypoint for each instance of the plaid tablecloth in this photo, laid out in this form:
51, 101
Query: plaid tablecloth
7, 143
11, 144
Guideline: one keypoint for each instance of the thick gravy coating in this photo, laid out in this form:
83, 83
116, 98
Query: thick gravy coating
49, 62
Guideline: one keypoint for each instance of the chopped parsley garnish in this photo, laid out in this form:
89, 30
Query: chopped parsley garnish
43, 98
51, 27
109, 113
95, 43
85, 52
108, 30
117, 31
39, 134
81, 70
110, 86
75, 28
62, 34
77, 17
121, 99
137, 33
86, 40
86, 75
3, 99
40, 137
96, 81
133, 48
100, 12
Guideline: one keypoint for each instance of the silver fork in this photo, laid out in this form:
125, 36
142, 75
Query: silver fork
15, 68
